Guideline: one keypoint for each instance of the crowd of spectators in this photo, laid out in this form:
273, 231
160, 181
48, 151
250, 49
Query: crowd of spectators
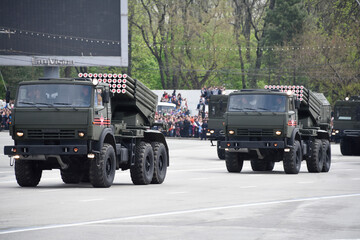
5, 116
178, 122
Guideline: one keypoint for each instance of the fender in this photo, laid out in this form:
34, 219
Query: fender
107, 136
294, 136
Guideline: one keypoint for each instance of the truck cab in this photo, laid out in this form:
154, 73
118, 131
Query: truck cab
267, 126
87, 130
346, 129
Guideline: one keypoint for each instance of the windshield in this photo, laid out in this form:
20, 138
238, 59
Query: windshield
257, 102
347, 113
54, 95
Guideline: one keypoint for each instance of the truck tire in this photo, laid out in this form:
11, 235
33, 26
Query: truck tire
102, 170
315, 162
160, 163
261, 165
270, 166
292, 159
327, 155
28, 173
234, 162
345, 147
142, 171
70, 176
220, 152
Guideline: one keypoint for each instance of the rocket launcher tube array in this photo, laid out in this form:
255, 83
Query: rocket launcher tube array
129, 90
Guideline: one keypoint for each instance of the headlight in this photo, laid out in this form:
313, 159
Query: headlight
278, 133
19, 133
81, 134
231, 132
337, 131
212, 131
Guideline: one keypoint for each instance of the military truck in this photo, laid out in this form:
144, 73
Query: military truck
346, 129
215, 132
87, 127
279, 123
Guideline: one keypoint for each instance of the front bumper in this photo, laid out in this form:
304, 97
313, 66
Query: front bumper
273, 144
26, 150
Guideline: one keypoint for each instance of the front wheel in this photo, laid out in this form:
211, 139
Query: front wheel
102, 170
220, 151
234, 162
27, 173
292, 159
345, 147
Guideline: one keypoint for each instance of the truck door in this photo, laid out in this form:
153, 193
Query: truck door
101, 114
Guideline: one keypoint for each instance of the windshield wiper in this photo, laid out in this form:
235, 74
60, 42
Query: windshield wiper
48, 104
29, 103
66, 104
236, 108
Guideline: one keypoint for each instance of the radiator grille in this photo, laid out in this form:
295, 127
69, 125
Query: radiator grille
50, 134
255, 132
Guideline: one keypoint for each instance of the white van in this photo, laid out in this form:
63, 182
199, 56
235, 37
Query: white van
164, 107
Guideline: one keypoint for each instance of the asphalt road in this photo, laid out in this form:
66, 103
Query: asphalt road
198, 200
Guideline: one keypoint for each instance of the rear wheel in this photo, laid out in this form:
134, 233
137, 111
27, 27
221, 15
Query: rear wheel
102, 170
292, 159
160, 163
270, 166
259, 165
327, 155
70, 176
143, 170
234, 162
73, 173
315, 162
28, 173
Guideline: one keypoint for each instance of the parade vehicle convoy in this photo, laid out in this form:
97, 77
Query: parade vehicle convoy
279, 123
346, 129
215, 132
87, 128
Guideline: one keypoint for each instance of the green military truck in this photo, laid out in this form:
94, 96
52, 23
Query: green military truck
87, 127
346, 129
215, 132
279, 123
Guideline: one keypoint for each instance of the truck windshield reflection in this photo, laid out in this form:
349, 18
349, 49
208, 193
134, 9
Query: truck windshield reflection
54, 95
257, 102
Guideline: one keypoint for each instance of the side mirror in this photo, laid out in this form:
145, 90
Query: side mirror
106, 96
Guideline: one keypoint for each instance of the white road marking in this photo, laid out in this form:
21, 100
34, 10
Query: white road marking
177, 192
310, 182
50, 190
92, 200
172, 213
